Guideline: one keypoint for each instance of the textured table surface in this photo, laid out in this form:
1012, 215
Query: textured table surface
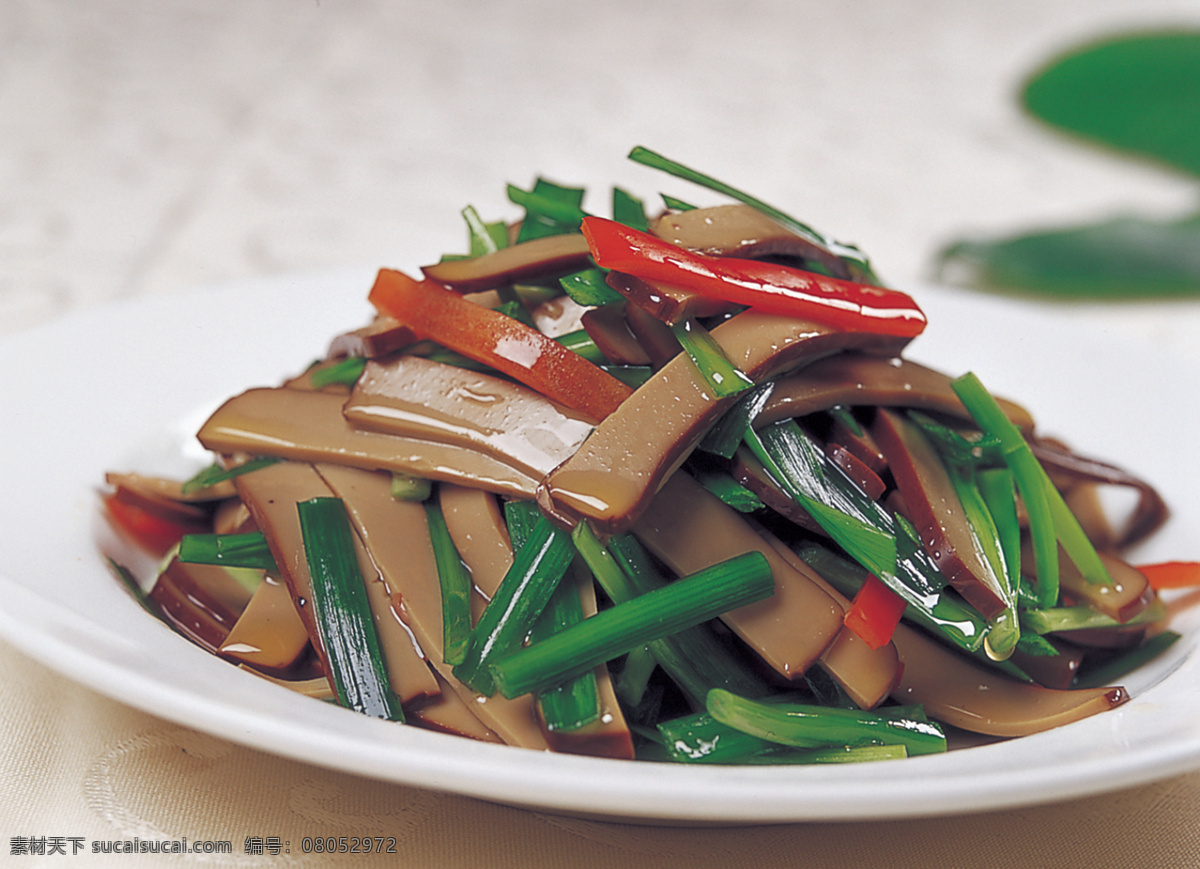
150, 147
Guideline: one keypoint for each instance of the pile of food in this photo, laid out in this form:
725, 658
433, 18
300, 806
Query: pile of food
659, 487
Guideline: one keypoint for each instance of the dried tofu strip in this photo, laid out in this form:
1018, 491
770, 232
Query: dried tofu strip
269, 634
858, 379
415, 397
272, 494
309, 426
691, 529
867, 675
958, 692
616, 472
396, 534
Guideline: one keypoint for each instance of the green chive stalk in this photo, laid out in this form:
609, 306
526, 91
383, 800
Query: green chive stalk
214, 473
538, 567
455, 582
248, 550
342, 612
805, 726
1051, 521
714, 367
343, 373
686, 602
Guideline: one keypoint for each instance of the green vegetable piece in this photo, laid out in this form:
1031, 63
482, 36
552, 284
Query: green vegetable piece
550, 209
483, 237
538, 567
248, 550
589, 288
409, 488
344, 373
342, 612
214, 473
629, 210
806, 726
1051, 521
848, 253
455, 582
612, 632
718, 371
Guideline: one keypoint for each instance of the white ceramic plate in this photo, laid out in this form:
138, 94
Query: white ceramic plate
124, 387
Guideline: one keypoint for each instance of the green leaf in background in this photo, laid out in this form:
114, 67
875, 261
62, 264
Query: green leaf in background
1136, 93
1125, 257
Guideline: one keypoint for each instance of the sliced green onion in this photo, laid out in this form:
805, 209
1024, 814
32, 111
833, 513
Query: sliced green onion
695, 659
719, 372
581, 342
848, 253
725, 436
342, 612
589, 288
1051, 521
344, 372
614, 631
729, 490
629, 210
1082, 617
214, 474
409, 488
550, 209
483, 237
249, 550
674, 204
455, 582
635, 675
806, 726
538, 567
575, 702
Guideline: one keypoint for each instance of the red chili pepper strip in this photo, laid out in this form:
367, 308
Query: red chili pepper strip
1172, 574
499, 341
763, 285
875, 613
154, 533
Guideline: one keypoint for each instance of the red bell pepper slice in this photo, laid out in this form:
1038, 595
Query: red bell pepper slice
499, 341
154, 533
875, 613
1172, 574
763, 285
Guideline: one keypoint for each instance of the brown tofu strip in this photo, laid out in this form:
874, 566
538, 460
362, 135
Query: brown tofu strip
396, 534
867, 675
269, 634
858, 379
690, 529
960, 693
616, 472
417, 398
609, 735
272, 494
540, 256
309, 426
932, 504
477, 527
741, 231
449, 713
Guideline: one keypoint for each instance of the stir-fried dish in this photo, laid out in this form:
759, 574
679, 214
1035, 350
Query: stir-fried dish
658, 486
